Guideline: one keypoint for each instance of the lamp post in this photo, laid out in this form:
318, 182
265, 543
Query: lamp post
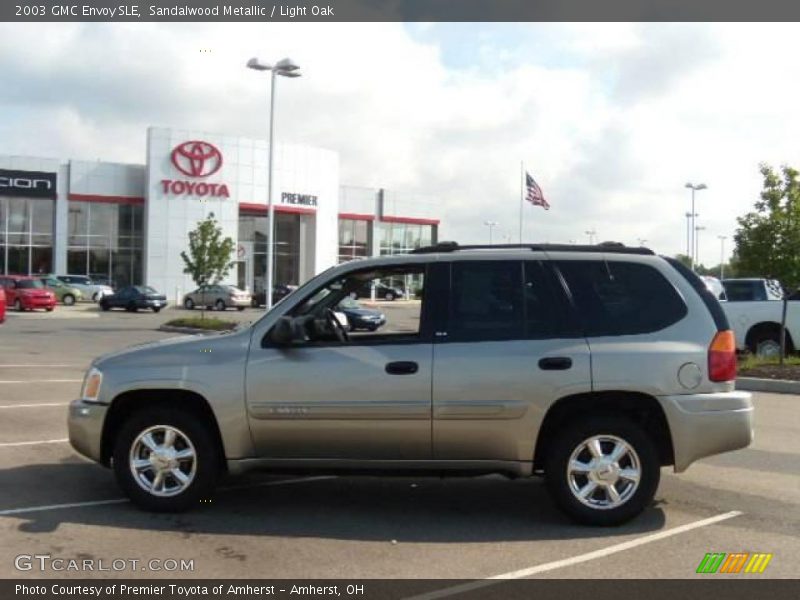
491, 225
694, 188
722, 239
697, 230
591, 233
285, 68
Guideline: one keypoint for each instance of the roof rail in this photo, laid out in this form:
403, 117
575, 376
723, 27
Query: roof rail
607, 247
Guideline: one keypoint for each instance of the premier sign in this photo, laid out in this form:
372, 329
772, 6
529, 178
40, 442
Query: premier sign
30, 184
195, 159
302, 199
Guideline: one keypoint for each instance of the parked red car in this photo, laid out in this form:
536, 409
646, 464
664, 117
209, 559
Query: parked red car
2, 304
27, 293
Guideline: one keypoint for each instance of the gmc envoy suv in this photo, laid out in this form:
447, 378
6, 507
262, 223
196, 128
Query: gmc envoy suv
592, 366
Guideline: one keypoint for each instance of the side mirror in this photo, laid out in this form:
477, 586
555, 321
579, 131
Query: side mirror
285, 332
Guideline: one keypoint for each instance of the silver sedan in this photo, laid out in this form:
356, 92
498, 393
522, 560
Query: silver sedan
218, 297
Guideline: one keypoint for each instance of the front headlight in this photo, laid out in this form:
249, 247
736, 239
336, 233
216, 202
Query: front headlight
91, 385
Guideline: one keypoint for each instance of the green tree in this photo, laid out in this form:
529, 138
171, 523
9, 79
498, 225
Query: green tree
684, 259
209, 258
768, 238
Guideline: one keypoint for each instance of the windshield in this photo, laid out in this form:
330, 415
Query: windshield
349, 303
29, 283
146, 289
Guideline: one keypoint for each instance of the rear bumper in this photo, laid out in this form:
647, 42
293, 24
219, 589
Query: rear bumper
85, 425
706, 424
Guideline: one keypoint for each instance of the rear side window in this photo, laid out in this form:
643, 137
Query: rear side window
504, 300
620, 298
486, 301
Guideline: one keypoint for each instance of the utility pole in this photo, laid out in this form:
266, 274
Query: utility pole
722, 239
591, 233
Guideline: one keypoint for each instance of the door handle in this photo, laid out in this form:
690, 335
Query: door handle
555, 363
402, 367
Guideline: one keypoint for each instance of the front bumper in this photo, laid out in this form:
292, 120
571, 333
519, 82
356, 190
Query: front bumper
237, 302
85, 425
706, 424
32, 303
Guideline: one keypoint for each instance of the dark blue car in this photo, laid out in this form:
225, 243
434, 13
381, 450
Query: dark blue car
359, 317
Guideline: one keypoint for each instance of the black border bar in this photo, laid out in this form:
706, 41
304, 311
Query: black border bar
399, 10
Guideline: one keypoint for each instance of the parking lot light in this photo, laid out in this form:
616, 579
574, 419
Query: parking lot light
285, 68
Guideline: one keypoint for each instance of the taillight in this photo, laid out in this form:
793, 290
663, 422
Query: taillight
722, 357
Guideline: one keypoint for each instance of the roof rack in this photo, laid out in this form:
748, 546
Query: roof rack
607, 247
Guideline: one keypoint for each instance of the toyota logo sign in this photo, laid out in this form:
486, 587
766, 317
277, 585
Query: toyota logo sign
196, 158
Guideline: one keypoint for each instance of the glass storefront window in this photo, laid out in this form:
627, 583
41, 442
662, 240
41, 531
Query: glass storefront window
26, 235
253, 228
106, 240
353, 239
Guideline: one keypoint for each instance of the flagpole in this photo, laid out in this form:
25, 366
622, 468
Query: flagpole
521, 196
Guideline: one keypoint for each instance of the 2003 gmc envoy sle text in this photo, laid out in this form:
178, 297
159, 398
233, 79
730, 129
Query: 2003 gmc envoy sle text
593, 366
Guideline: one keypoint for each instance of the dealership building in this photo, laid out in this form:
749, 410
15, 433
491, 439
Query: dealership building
129, 223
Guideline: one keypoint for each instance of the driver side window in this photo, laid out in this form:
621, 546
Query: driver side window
378, 305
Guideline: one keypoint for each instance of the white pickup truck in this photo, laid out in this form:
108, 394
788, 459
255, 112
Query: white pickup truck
754, 308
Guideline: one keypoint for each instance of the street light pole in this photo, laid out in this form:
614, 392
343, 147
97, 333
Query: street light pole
722, 239
491, 225
697, 230
694, 188
285, 68
591, 233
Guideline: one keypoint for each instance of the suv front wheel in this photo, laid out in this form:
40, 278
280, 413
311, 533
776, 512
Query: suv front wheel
166, 459
602, 471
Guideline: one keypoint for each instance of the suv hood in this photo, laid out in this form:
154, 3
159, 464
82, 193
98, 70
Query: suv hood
174, 351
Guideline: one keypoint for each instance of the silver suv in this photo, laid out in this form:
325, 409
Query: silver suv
593, 366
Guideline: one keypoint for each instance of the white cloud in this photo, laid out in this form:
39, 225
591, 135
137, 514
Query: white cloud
611, 132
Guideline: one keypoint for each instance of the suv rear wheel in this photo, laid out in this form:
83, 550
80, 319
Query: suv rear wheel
602, 471
166, 459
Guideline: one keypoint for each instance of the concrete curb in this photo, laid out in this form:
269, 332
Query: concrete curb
191, 330
775, 386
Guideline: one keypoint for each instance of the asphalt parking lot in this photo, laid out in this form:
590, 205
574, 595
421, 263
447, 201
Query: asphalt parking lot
260, 526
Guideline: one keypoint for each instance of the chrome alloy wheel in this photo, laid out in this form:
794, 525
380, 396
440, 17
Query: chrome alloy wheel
604, 472
163, 460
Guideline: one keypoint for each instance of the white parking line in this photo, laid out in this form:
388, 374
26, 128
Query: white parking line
40, 381
34, 443
33, 405
40, 366
22, 511
31, 509
574, 560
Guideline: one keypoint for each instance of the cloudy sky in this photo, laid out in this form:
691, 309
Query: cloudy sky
611, 119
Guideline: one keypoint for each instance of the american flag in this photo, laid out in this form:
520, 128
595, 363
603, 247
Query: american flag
533, 193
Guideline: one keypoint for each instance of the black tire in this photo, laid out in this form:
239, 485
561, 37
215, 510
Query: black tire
188, 304
18, 305
208, 459
219, 304
50, 308
131, 307
373, 328
104, 305
156, 309
68, 299
570, 438
240, 308
96, 297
